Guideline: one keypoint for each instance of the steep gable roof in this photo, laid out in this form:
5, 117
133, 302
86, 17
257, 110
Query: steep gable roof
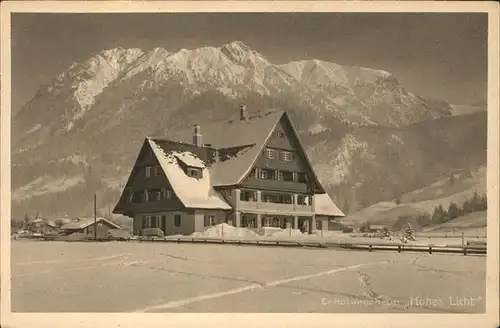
324, 205
247, 138
253, 130
83, 223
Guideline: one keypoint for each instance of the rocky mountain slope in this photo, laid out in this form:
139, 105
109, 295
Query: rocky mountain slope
458, 187
81, 132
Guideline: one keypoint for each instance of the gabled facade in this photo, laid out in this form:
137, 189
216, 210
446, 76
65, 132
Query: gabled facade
252, 172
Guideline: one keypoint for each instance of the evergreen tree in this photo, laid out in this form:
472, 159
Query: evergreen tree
409, 232
346, 207
439, 215
484, 202
453, 211
466, 207
26, 225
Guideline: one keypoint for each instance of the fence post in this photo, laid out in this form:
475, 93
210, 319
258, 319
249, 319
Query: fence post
430, 249
465, 250
399, 248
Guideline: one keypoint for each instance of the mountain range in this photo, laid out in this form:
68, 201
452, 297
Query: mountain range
369, 138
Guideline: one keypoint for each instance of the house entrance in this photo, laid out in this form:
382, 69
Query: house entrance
305, 225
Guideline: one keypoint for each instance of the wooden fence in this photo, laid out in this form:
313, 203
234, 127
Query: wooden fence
472, 249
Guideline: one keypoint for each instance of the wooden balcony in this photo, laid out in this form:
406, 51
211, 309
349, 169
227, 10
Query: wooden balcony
275, 208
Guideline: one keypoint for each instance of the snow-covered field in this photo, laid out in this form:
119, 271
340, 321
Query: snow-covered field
167, 277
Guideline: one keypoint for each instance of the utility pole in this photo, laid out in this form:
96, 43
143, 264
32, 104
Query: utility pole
95, 217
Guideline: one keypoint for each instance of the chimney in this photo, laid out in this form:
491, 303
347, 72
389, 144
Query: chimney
197, 137
243, 111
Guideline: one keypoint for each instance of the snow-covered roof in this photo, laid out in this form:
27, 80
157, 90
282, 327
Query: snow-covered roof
253, 130
324, 205
192, 192
190, 159
82, 223
247, 137
43, 221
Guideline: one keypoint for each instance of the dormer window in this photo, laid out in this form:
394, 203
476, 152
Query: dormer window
269, 153
194, 172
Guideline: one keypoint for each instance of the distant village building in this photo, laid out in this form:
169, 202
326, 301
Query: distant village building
375, 228
42, 226
87, 226
250, 172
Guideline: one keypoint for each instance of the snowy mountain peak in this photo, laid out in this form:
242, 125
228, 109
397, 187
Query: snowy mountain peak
239, 52
237, 46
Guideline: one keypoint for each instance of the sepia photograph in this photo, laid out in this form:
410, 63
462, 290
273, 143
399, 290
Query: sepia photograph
249, 162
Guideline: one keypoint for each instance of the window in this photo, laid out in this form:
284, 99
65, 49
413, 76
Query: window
318, 225
167, 193
279, 134
209, 220
138, 197
302, 177
147, 171
194, 172
177, 220
286, 156
157, 170
158, 220
303, 200
154, 195
147, 223
286, 176
248, 196
263, 174
269, 153
277, 198
248, 222
280, 176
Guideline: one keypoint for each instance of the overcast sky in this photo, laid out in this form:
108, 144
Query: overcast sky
441, 56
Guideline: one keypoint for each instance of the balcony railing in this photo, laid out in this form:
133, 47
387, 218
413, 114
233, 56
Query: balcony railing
274, 206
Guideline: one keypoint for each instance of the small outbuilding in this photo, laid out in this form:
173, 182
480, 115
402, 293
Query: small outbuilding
87, 226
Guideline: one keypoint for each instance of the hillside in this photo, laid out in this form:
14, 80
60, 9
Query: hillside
369, 138
458, 188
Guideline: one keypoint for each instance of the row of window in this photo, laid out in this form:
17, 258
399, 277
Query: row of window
284, 155
155, 170
251, 196
152, 170
274, 222
159, 221
151, 195
280, 175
